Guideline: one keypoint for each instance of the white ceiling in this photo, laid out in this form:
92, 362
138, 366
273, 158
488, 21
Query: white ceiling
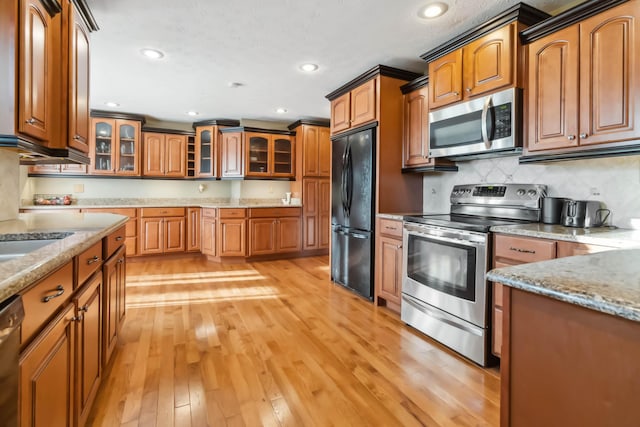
260, 44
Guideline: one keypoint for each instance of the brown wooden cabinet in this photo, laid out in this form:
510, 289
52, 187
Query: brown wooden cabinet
483, 65
316, 213
269, 155
63, 169
114, 301
193, 229
88, 314
208, 232
164, 155
207, 157
314, 145
388, 274
274, 231
584, 83
232, 153
131, 227
231, 233
48, 374
79, 122
114, 147
162, 230
354, 108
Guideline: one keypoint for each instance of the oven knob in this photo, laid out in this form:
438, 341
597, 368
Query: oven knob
520, 192
456, 192
532, 193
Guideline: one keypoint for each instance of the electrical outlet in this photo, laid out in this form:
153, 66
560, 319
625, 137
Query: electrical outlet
78, 188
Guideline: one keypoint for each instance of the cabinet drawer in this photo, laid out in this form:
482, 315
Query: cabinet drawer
113, 241
88, 262
274, 212
233, 213
155, 212
43, 299
209, 212
524, 249
390, 227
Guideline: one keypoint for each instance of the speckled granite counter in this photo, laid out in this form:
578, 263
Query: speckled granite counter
397, 216
617, 238
18, 273
608, 282
142, 203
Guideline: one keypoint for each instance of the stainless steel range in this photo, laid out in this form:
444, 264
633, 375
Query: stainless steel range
445, 260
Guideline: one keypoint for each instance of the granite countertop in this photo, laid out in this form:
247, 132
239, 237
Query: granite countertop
172, 202
87, 229
608, 282
397, 216
605, 236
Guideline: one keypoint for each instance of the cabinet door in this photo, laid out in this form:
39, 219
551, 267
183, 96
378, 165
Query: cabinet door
341, 113
263, 236
310, 150
110, 306
205, 151
310, 213
101, 146
289, 234
151, 236
281, 156
128, 147
121, 273
154, 152
37, 71
324, 152
47, 375
232, 155
231, 237
209, 236
73, 169
390, 263
553, 91
324, 213
488, 61
193, 229
78, 82
175, 156
416, 129
258, 154
363, 103
445, 79
174, 234
610, 76
88, 305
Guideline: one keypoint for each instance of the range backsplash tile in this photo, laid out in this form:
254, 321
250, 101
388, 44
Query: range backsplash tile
614, 181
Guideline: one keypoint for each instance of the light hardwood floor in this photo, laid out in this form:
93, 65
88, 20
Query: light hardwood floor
277, 344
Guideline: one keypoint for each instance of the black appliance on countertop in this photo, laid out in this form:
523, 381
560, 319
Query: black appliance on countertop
352, 208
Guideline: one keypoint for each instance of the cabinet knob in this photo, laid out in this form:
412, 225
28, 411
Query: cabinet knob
76, 137
95, 258
468, 90
30, 121
399, 247
456, 93
77, 318
84, 308
584, 135
571, 137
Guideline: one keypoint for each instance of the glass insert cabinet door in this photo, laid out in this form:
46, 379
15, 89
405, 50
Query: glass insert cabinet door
258, 151
128, 151
102, 158
282, 155
205, 151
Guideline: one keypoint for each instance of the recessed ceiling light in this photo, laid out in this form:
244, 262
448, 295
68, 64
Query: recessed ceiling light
112, 104
281, 110
309, 67
432, 10
152, 53
192, 113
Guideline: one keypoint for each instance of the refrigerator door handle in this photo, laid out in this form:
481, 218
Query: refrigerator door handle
344, 180
349, 180
359, 236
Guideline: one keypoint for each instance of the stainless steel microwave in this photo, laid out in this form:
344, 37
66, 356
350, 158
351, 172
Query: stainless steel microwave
483, 127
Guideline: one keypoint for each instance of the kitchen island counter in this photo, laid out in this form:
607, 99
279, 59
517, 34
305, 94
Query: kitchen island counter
87, 229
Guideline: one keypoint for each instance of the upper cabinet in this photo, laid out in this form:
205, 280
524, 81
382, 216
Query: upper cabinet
313, 156
354, 108
481, 60
44, 49
584, 84
114, 144
208, 142
165, 154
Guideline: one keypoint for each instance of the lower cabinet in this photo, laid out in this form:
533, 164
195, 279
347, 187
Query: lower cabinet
162, 230
208, 232
48, 374
274, 231
316, 214
388, 273
114, 278
231, 236
193, 229
131, 236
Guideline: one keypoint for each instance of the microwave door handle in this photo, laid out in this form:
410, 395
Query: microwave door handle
484, 129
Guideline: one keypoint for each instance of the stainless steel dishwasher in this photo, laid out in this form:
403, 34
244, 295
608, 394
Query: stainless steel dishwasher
11, 315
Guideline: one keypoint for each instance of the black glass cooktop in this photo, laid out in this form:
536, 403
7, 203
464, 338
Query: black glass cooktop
461, 222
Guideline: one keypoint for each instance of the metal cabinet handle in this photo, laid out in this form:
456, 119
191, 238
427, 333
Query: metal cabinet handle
469, 90
92, 260
524, 251
456, 93
390, 228
76, 137
399, 247
77, 318
571, 137
59, 291
584, 135
121, 260
119, 238
30, 121
84, 308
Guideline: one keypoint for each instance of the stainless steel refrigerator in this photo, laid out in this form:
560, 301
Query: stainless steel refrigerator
352, 207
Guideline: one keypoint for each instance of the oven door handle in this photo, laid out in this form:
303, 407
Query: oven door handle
433, 313
484, 127
470, 240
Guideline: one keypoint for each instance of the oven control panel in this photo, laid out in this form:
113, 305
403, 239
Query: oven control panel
526, 195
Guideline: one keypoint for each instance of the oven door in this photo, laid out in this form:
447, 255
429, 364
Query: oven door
446, 268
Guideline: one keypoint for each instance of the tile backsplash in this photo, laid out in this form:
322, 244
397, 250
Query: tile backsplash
614, 181
10, 185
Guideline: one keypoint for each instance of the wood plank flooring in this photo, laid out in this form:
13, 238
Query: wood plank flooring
277, 344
